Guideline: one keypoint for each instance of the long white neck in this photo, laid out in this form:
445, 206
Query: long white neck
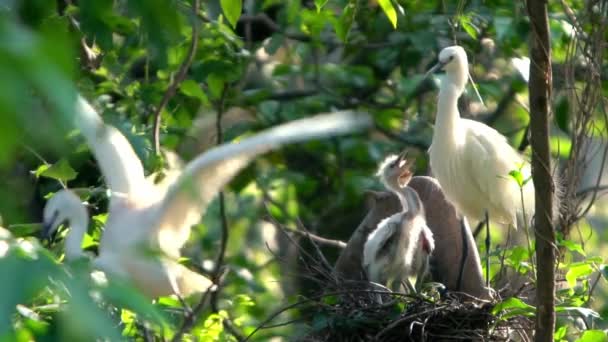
448, 117
78, 227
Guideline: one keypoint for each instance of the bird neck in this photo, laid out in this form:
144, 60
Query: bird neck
73, 241
409, 200
448, 117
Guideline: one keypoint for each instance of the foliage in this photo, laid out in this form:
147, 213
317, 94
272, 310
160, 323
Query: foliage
257, 63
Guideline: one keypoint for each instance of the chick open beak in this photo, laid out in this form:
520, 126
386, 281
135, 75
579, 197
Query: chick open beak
405, 172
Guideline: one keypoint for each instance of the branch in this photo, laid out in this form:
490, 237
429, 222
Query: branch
540, 97
217, 272
324, 241
181, 74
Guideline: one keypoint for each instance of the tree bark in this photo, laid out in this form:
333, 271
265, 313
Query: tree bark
540, 95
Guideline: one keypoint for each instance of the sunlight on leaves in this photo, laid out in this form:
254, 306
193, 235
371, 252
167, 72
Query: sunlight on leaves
389, 10
232, 10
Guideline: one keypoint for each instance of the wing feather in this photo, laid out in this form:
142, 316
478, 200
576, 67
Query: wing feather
187, 199
491, 158
117, 160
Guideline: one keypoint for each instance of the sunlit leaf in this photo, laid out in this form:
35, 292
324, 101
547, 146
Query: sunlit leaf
389, 10
593, 336
61, 171
513, 307
577, 271
232, 10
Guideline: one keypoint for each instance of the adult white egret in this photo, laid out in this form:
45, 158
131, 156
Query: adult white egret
401, 244
471, 160
147, 224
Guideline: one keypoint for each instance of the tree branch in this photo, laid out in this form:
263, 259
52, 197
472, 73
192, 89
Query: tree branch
181, 75
540, 97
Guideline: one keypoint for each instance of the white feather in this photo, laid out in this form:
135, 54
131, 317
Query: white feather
148, 224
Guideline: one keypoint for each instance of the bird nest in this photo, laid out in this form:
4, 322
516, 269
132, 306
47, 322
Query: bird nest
357, 315
353, 310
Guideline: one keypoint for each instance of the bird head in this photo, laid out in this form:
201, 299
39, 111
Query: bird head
64, 206
395, 172
453, 59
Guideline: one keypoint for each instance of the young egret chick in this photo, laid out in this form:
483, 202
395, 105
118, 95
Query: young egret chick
147, 223
471, 160
402, 243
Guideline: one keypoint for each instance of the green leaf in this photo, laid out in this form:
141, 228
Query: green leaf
593, 336
604, 270
192, 89
61, 171
517, 176
389, 10
513, 307
343, 24
232, 10
468, 26
560, 333
577, 271
319, 4
573, 246
216, 85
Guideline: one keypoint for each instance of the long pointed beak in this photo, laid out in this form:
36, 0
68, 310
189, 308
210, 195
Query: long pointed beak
48, 233
432, 70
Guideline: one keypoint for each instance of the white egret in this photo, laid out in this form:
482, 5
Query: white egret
145, 219
471, 160
401, 244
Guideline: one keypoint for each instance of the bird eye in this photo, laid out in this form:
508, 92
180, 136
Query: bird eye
451, 57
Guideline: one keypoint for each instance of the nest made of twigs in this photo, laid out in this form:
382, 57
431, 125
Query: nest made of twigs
357, 315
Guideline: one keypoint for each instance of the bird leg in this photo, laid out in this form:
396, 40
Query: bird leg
464, 252
487, 248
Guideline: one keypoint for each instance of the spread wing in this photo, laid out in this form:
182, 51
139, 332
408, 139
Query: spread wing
187, 199
117, 160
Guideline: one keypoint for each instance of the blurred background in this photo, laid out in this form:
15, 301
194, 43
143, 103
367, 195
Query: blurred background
252, 65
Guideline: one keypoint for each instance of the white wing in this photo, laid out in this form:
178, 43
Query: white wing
204, 177
117, 160
491, 158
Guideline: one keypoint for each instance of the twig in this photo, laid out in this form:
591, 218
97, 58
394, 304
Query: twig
314, 298
324, 241
181, 74
189, 319
217, 272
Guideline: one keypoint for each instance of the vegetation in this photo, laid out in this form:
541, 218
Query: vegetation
184, 75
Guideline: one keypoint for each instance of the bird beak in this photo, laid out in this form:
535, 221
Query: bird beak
432, 70
47, 233
405, 168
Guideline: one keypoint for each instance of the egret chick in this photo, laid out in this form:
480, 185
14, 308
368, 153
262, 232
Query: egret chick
471, 160
149, 223
401, 245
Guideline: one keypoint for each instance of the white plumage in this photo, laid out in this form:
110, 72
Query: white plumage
401, 244
471, 160
148, 224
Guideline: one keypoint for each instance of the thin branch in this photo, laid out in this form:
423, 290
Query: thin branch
181, 75
219, 262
